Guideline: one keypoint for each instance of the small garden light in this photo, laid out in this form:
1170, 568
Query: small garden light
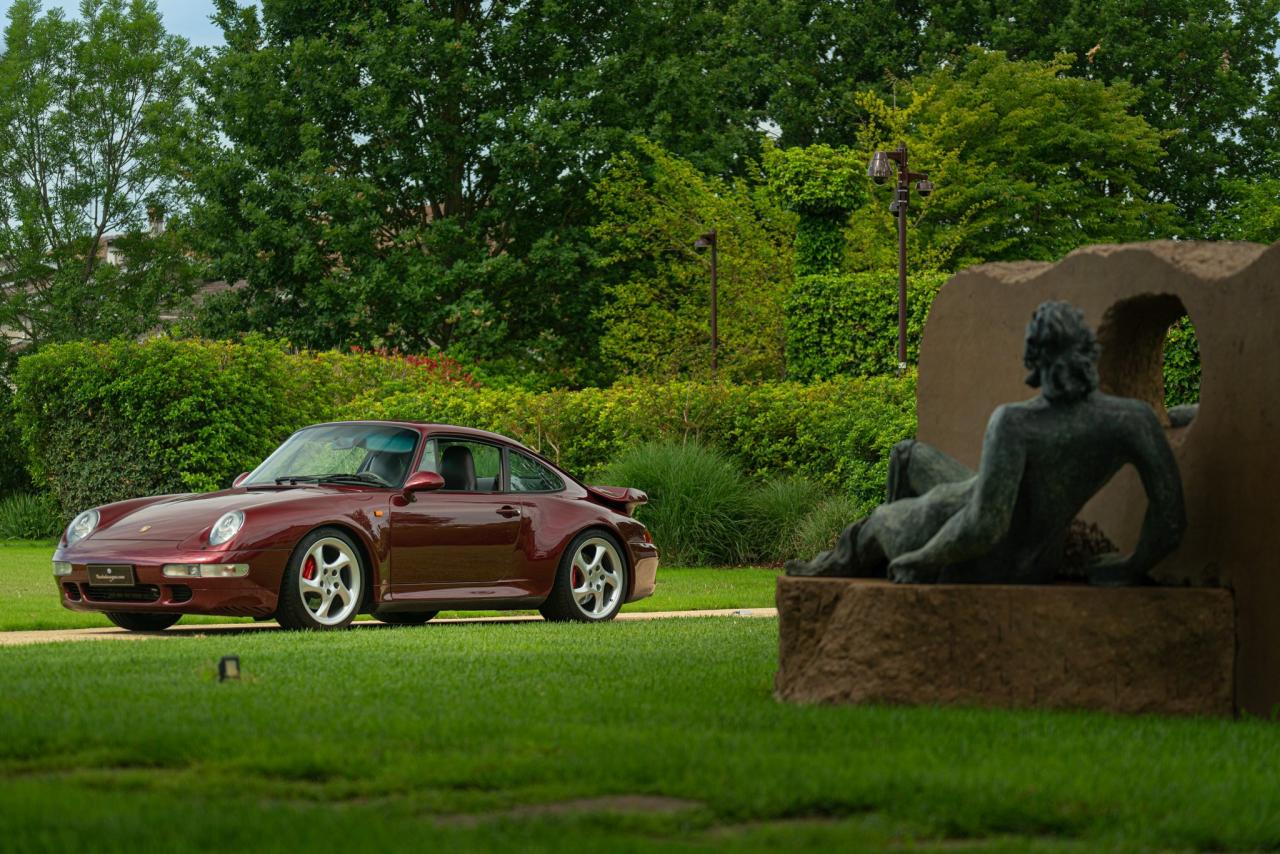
229, 668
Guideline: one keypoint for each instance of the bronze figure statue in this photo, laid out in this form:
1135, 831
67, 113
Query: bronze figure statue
1042, 459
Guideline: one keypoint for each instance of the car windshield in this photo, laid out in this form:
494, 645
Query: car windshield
373, 454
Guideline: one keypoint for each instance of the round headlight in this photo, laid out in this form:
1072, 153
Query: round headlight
82, 526
227, 526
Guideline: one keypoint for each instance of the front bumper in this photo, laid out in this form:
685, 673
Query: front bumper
254, 595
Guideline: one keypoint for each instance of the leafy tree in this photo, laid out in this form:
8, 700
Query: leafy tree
1029, 163
94, 117
653, 207
1201, 70
416, 174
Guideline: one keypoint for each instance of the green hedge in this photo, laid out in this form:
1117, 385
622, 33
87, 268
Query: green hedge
103, 422
847, 324
1181, 364
837, 433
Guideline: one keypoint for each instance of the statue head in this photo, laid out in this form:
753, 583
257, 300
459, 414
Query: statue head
1061, 353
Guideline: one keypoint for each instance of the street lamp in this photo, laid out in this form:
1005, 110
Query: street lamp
702, 244
880, 170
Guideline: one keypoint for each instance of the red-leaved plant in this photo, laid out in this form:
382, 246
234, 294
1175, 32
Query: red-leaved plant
443, 368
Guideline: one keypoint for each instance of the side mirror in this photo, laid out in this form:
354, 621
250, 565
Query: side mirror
422, 481
240, 478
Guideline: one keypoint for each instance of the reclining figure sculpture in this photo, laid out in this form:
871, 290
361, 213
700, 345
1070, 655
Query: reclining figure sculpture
1042, 459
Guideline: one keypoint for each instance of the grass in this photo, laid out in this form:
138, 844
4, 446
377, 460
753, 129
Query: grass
31, 602
454, 733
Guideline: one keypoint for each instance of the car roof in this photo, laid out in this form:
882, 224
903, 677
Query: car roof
431, 427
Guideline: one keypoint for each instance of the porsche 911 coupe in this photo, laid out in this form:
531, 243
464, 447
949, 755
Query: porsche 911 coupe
396, 519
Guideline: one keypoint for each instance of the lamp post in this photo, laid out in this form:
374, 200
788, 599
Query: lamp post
881, 169
702, 244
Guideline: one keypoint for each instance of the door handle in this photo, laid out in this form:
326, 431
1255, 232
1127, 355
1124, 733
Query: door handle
509, 511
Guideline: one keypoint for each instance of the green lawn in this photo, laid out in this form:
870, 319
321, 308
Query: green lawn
491, 736
31, 599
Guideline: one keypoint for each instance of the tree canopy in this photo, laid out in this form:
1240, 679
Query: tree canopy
94, 117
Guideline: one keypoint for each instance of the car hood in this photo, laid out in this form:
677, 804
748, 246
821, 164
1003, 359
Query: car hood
174, 518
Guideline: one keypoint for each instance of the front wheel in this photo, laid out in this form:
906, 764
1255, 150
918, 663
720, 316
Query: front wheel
591, 582
143, 622
323, 584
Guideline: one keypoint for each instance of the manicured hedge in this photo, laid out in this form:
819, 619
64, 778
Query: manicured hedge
837, 433
847, 324
102, 422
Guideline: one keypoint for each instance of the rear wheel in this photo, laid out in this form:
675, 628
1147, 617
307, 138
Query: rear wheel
404, 618
324, 583
143, 622
591, 582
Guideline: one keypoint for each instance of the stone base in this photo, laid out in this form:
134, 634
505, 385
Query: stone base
1156, 650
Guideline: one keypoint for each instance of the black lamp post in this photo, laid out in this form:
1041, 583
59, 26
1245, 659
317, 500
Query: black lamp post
702, 244
881, 169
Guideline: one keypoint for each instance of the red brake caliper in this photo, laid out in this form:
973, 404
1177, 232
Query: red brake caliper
309, 568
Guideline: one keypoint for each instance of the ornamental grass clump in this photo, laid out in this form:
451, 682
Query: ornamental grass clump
698, 500
775, 511
29, 517
817, 532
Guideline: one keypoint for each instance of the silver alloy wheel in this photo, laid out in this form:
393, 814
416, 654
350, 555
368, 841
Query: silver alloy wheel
329, 581
597, 578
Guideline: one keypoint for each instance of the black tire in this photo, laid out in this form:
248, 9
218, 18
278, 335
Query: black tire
404, 618
563, 606
143, 622
292, 612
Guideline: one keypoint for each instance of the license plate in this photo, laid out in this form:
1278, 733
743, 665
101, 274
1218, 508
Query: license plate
113, 576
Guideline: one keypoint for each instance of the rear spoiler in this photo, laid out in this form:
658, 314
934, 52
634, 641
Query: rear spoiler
620, 498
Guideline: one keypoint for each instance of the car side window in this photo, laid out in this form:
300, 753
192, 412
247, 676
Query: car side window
428, 461
466, 466
529, 475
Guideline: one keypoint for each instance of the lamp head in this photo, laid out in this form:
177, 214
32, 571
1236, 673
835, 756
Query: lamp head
705, 242
880, 169
924, 186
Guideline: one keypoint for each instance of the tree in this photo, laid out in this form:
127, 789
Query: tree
653, 206
416, 174
1029, 163
1201, 70
94, 116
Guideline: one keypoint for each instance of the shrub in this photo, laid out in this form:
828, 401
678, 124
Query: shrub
1181, 364
775, 511
824, 523
847, 324
838, 433
13, 457
103, 422
698, 500
29, 517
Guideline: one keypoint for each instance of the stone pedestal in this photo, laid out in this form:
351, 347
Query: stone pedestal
1155, 650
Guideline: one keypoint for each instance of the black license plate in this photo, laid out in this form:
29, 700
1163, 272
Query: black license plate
114, 575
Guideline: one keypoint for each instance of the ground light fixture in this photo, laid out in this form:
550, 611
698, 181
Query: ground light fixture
229, 668
880, 169
702, 244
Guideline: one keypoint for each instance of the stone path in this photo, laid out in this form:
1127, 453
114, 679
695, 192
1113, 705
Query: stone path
113, 633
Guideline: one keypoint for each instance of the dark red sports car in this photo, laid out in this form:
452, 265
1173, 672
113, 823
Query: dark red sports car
400, 520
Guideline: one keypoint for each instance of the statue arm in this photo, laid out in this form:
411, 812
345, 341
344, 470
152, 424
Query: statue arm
985, 519
1166, 516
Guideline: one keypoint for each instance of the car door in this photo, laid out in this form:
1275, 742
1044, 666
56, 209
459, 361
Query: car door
462, 540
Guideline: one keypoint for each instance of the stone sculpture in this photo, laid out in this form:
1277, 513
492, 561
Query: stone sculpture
1042, 459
